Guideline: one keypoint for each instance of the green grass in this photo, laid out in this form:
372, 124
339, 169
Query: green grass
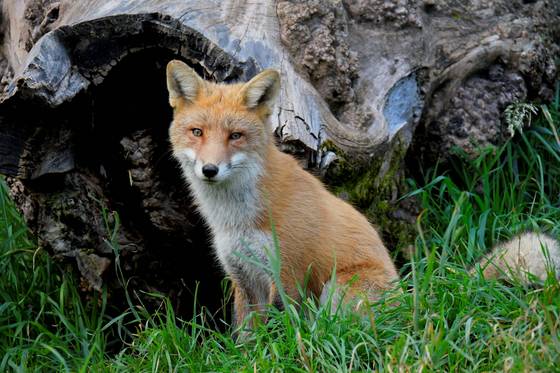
44, 324
443, 320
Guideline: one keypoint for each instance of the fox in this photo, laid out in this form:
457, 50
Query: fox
243, 185
247, 191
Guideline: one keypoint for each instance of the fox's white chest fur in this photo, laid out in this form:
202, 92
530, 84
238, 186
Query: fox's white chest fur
231, 211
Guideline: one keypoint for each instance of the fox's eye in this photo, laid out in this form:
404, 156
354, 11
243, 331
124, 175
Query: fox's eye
197, 132
235, 135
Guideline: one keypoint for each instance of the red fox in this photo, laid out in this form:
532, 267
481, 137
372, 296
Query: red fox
241, 182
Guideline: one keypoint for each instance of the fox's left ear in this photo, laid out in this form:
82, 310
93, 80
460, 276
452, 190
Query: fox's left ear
261, 91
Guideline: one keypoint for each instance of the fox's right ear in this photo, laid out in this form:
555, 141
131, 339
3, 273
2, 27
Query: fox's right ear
261, 91
182, 82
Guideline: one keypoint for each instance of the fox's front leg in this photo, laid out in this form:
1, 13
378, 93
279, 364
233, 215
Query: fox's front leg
240, 306
274, 297
244, 304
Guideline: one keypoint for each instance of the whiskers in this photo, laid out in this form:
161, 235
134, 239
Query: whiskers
241, 167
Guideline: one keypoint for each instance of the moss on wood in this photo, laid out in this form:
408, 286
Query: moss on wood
374, 188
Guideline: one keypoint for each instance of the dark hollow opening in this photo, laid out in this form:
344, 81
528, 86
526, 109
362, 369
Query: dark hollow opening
129, 144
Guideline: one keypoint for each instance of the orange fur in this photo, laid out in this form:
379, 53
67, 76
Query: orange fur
318, 230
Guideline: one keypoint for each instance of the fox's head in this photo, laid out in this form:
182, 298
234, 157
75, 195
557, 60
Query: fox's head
220, 132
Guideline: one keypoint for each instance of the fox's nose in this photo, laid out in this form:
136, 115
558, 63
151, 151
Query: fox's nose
210, 170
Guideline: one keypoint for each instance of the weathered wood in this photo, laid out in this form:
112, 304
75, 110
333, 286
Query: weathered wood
233, 39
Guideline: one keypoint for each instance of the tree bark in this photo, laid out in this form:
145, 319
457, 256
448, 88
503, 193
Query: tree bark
84, 114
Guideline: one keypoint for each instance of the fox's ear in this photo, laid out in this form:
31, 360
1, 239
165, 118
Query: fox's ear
182, 82
261, 90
